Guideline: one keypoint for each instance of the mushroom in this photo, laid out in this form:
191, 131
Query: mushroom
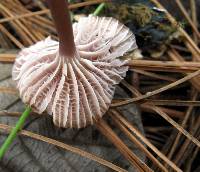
74, 79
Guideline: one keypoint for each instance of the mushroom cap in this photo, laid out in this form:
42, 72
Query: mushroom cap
75, 90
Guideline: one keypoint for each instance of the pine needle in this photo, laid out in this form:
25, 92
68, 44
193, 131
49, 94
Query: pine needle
66, 147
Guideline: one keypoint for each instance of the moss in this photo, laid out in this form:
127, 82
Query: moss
168, 28
151, 27
142, 14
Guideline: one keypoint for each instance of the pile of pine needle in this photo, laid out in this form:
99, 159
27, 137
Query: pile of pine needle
165, 83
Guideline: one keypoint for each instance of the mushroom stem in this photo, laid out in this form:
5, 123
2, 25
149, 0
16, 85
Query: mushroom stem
63, 26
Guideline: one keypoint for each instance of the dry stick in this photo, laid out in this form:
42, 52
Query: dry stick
45, 32
138, 143
17, 114
42, 24
173, 21
23, 31
72, 6
173, 54
152, 87
40, 19
11, 37
38, 22
7, 113
164, 69
145, 140
167, 66
7, 57
147, 63
183, 123
66, 147
174, 102
184, 12
12, 11
16, 9
157, 138
156, 129
43, 21
30, 26
195, 55
186, 144
35, 32
35, 23
8, 90
167, 118
4, 42
153, 75
158, 102
191, 160
42, 6
179, 47
194, 17
150, 94
128, 154
185, 151
171, 112
176, 125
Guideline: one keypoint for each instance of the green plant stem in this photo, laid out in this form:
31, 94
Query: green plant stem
27, 111
99, 9
14, 132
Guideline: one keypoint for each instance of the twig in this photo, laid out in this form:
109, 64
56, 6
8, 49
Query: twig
186, 145
7, 113
11, 37
163, 64
128, 154
135, 141
153, 75
144, 140
194, 17
174, 55
46, 11
167, 118
171, 112
150, 94
183, 10
8, 90
176, 125
191, 160
66, 147
158, 102
174, 102
183, 123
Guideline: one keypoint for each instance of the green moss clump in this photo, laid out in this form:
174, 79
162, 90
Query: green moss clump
151, 27
141, 14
